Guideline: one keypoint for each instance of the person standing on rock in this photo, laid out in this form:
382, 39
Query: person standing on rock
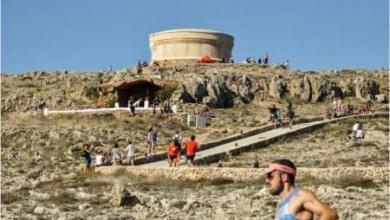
191, 147
295, 203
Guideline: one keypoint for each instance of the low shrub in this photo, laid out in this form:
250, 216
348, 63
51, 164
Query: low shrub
91, 91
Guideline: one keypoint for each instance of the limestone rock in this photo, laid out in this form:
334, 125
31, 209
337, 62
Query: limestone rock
365, 88
182, 96
278, 88
121, 197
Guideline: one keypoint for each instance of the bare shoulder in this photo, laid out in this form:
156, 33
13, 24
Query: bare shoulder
306, 193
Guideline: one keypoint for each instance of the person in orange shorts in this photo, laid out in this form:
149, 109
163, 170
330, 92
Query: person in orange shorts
172, 152
191, 147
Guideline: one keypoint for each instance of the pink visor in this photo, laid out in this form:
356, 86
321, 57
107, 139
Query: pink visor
274, 166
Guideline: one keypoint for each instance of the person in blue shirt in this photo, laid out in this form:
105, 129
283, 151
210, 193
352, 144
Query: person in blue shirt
295, 203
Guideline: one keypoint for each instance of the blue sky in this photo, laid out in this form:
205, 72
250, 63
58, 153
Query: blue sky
91, 35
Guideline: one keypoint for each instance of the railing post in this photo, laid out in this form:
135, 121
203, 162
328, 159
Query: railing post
45, 111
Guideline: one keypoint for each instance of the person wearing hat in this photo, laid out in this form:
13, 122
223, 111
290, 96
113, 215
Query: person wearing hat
295, 203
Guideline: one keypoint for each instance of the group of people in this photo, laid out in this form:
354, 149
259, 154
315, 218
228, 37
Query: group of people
262, 60
114, 157
175, 147
338, 108
165, 108
276, 117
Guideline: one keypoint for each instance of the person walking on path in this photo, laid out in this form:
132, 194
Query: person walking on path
116, 155
87, 157
130, 153
151, 140
295, 203
290, 116
191, 146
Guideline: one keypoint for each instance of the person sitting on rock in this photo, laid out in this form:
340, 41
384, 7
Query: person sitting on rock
355, 128
295, 203
107, 160
360, 131
99, 158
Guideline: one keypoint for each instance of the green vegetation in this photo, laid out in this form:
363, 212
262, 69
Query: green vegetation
111, 103
91, 91
164, 94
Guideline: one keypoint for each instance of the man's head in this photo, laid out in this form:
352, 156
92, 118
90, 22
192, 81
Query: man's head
192, 137
279, 173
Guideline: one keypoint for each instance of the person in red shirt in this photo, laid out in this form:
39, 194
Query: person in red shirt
191, 147
172, 153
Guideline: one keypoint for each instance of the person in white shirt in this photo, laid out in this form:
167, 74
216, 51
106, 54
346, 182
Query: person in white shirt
130, 153
360, 134
99, 158
355, 128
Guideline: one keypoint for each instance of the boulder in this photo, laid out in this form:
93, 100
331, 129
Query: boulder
121, 197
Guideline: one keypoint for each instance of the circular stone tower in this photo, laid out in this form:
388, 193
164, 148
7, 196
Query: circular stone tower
185, 46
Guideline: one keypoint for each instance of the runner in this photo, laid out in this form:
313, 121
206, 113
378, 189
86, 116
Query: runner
172, 152
177, 138
191, 146
294, 203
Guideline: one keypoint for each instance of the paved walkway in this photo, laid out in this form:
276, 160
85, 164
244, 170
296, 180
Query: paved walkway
255, 139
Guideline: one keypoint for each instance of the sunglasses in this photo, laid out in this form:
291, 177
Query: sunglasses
269, 175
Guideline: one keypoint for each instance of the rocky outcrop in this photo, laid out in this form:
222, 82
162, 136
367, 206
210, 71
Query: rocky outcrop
219, 86
122, 197
366, 88
278, 88
302, 89
218, 91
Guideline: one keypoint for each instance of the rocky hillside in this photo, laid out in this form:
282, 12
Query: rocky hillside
216, 86
41, 160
